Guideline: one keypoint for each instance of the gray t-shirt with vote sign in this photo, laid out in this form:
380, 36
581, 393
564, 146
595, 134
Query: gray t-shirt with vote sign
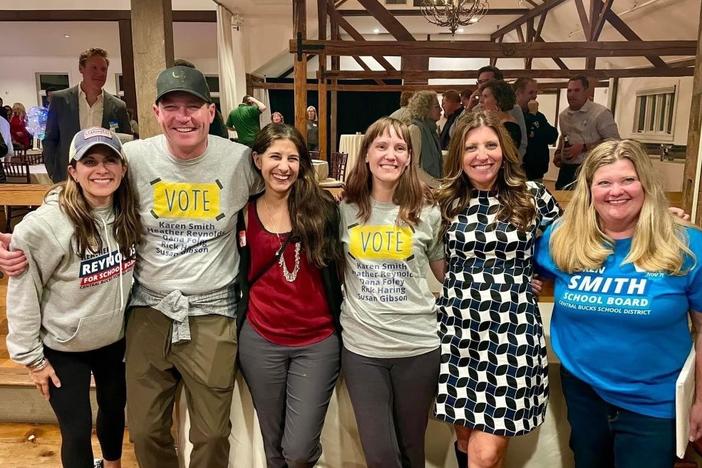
389, 310
189, 210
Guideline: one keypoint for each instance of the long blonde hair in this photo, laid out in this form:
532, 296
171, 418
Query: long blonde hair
411, 194
18, 108
454, 194
659, 243
126, 228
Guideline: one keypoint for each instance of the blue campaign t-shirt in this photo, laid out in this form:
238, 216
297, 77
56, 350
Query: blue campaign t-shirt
622, 330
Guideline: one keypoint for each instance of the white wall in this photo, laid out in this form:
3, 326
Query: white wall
18, 76
626, 102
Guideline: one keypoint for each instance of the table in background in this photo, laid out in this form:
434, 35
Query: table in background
350, 144
545, 447
38, 175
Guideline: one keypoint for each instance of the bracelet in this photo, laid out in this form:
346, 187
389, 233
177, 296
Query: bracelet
38, 365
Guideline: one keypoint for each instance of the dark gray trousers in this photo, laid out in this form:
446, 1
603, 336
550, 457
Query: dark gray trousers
391, 400
291, 388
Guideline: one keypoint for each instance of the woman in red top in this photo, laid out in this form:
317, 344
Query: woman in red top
21, 139
289, 347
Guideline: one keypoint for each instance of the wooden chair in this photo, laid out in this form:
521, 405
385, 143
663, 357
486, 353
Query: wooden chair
20, 150
314, 154
34, 159
337, 165
15, 173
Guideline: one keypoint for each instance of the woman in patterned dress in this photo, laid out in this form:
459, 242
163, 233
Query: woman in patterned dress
493, 382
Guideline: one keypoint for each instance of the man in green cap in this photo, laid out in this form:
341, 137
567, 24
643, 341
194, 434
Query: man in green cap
181, 326
245, 119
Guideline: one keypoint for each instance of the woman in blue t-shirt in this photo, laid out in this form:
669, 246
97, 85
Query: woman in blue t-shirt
627, 272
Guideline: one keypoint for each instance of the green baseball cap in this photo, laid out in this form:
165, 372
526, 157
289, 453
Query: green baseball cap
185, 79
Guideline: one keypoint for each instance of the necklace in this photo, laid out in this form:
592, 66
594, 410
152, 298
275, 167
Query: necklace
289, 276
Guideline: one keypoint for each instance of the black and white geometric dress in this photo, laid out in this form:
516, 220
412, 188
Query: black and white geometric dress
494, 374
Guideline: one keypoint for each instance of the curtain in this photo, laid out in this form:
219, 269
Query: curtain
232, 63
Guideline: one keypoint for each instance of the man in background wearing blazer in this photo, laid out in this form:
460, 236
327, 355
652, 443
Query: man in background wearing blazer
82, 106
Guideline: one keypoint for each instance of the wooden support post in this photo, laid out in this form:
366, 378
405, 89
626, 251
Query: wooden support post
335, 65
322, 116
300, 66
152, 32
613, 93
691, 178
322, 111
595, 7
127, 55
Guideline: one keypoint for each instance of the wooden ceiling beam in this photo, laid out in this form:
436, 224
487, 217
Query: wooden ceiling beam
630, 35
533, 13
387, 20
485, 49
397, 88
343, 24
583, 18
416, 12
179, 16
683, 63
322, 19
365, 67
516, 73
601, 18
560, 63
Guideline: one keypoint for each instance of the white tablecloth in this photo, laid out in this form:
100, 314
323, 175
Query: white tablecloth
38, 175
350, 144
545, 447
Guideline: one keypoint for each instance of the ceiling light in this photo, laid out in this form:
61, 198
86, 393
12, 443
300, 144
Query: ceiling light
454, 13
66, 36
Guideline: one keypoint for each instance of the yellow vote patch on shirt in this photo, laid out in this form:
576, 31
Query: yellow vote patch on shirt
388, 242
186, 200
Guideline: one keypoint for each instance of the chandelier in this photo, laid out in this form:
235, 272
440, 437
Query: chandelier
452, 14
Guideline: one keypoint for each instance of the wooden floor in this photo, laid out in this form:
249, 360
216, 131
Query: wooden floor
28, 445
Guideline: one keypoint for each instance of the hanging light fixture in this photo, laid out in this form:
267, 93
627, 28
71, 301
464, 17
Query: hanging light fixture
453, 14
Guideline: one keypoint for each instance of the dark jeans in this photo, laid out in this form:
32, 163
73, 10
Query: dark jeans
606, 436
71, 402
566, 176
391, 399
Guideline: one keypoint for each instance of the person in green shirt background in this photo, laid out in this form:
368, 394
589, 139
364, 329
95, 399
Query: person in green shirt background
245, 120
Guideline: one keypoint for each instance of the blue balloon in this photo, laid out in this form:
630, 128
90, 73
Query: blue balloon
36, 121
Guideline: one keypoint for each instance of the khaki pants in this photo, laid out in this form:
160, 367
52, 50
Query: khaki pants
205, 366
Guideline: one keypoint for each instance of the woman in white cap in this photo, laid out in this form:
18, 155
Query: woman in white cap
65, 313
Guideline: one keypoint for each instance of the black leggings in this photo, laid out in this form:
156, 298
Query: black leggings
71, 402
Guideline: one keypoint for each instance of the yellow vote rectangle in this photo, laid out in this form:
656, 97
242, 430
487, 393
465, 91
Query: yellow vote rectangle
186, 200
387, 242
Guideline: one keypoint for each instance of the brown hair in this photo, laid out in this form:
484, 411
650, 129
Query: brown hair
497, 73
452, 95
92, 52
313, 212
454, 194
503, 94
582, 79
411, 195
522, 83
126, 228
405, 97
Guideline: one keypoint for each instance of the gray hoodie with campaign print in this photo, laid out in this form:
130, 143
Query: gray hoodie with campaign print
65, 301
